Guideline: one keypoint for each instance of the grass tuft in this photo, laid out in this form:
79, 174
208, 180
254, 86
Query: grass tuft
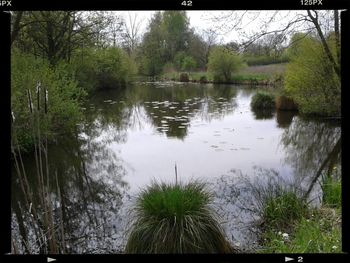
331, 192
283, 210
176, 218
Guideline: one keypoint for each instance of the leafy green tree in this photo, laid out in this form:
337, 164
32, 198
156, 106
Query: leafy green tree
168, 35
311, 79
153, 47
197, 49
175, 26
223, 62
55, 35
103, 68
188, 63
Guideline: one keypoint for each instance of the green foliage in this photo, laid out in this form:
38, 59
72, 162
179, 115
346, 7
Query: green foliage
310, 79
63, 96
104, 68
203, 79
166, 37
176, 219
282, 210
178, 59
263, 100
184, 62
222, 63
331, 192
319, 233
188, 63
184, 77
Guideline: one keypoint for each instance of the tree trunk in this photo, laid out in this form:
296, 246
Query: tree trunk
16, 26
337, 34
326, 48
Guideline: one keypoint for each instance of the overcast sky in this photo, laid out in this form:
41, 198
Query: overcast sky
252, 21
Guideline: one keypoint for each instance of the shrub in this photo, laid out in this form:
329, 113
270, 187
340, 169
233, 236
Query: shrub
263, 100
176, 219
64, 96
188, 63
184, 77
222, 63
203, 79
104, 68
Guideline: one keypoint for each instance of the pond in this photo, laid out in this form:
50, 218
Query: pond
129, 138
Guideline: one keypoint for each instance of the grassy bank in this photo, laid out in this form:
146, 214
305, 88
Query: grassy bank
260, 75
290, 226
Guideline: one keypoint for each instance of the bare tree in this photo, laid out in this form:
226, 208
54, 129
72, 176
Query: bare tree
282, 24
131, 32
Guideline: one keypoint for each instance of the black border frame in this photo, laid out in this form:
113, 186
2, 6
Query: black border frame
150, 5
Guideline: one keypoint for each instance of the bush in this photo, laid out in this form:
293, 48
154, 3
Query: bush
184, 77
263, 100
188, 63
104, 68
176, 219
222, 63
64, 96
203, 79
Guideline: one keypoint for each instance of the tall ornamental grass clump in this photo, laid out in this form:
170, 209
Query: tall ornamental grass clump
176, 218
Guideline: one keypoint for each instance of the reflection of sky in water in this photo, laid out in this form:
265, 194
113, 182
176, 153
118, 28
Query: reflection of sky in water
210, 148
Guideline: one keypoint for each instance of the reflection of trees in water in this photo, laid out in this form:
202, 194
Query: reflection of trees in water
310, 145
284, 118
85, 198
263, 114
171, 109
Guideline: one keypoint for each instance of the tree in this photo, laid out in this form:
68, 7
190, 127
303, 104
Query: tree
308, 21
167, 35
222, 63
210, 38
197, 49
311, 79
131, 33
56, 34
153, 47
176, 31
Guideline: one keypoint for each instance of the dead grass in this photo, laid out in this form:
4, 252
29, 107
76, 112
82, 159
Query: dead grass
264, 69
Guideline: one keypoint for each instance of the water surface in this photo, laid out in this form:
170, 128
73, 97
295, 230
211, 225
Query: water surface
129, 138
